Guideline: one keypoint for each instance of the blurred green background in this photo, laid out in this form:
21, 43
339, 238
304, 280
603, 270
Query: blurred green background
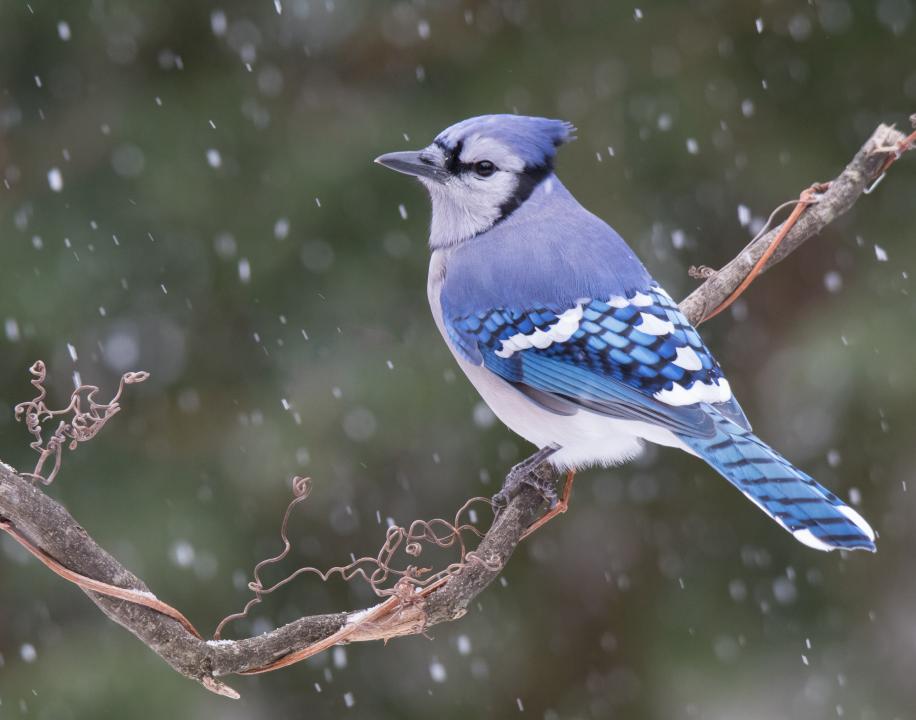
187, 188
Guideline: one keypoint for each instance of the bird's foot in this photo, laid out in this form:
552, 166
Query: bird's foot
557, 509
525, 473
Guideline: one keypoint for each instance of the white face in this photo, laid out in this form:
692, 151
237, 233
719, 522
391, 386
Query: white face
471, 199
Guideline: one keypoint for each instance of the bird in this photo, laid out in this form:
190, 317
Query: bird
570, 341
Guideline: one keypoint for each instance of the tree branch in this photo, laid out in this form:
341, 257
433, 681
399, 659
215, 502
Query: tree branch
840, 196
26, 512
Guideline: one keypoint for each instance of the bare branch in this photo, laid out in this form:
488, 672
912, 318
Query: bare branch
410, 607
866, 167
48, 525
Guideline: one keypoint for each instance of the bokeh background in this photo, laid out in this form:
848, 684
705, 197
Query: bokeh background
187, 188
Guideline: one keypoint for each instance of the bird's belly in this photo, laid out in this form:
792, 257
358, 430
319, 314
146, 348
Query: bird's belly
585, 438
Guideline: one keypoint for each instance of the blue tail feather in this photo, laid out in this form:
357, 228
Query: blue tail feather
808, 510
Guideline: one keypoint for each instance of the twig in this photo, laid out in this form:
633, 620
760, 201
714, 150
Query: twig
409, 609
866, 167
808, 197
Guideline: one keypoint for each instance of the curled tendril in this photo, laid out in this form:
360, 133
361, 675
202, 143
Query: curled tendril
301, 487
378, 571
87, 416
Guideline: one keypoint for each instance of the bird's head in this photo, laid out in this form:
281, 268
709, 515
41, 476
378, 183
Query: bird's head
480, 170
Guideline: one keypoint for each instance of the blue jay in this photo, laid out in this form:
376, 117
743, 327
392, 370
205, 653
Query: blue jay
567, 337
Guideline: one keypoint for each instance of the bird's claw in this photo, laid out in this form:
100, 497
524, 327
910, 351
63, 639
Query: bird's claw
525, 473
499, 501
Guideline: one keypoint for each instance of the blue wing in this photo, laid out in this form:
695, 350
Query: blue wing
614, 363
638, 358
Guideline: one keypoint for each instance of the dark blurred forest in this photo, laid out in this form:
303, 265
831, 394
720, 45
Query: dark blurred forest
188, 189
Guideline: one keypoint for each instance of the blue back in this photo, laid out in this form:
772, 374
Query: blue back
549, 253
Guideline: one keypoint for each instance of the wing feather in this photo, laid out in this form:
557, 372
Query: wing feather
620, 357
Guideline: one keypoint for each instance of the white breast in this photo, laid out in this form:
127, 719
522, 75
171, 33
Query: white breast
585, 438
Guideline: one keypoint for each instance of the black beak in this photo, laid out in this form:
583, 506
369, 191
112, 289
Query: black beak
412, 162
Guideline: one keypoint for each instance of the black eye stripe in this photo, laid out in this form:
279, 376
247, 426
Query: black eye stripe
454, 165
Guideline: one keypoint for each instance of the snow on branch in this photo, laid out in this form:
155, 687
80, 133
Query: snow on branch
413, 598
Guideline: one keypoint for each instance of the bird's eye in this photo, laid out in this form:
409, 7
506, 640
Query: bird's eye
484, 168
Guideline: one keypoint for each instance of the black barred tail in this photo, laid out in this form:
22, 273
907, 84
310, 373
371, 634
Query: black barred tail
808, 510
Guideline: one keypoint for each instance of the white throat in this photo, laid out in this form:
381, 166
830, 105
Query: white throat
464, 208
